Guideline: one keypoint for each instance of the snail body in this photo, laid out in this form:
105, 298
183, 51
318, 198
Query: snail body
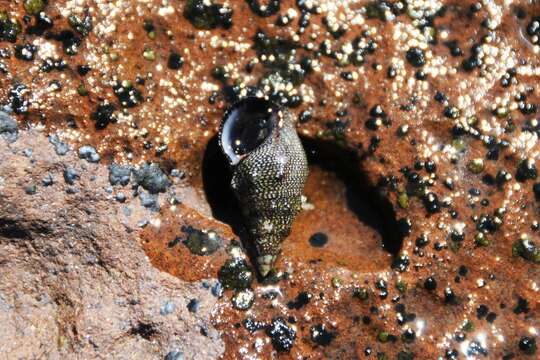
269, 171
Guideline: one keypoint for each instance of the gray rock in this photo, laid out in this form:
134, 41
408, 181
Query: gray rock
60, 147
142, 223
119, 175
8, 127
178, 173
194, 305
149, 201
174, 355
70, 175
30, 189
120, 197
47, 180
152, 178
167, 308
217, 289
89, 154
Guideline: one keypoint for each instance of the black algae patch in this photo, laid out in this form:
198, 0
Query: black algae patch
320, 335
152, 178
318, 239
9, 29
127, 95
104, 115
270, 7
281, 334
201, 243
416, 57
18, 99
301, 300
175, 61
527, 345
25, 52
527, 249
204, 16
235, 274
146, 331
253, 325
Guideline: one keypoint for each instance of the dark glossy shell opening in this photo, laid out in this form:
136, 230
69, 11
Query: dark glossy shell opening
246, 125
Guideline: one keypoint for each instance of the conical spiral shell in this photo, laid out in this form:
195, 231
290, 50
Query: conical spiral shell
269, 172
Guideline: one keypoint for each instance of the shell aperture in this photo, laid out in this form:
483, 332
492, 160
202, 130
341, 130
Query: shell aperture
248, 124
269, 169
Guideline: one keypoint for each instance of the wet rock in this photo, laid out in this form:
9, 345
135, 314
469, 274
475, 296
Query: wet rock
89, 154
172, 113
119, 175
61, 148
152, 178
235, 274
282, 336
8, 127
200, 242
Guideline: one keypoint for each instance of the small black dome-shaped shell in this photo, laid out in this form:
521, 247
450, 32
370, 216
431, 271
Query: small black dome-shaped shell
269, 171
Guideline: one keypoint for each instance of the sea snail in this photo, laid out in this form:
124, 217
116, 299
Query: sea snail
269, 171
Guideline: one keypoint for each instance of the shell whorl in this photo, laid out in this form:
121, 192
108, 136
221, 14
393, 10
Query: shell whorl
269, 172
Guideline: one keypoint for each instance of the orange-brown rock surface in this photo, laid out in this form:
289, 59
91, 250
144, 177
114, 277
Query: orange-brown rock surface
419, 238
